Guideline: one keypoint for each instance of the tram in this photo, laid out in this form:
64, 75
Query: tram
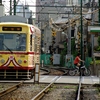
19, 49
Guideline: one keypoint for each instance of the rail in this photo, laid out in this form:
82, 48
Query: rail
14, 87
79, 87
46, 71
41, 94
45, 90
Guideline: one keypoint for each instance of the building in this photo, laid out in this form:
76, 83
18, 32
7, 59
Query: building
57, 11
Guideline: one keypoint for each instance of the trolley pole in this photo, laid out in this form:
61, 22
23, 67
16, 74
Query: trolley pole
14, 7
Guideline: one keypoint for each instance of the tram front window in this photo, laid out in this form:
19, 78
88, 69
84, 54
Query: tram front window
13, 42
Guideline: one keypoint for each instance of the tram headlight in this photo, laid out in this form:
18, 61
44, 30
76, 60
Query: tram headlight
2, 61
19, 61
25, 61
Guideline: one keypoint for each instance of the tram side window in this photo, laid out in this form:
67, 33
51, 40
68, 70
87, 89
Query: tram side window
35, 46
31, 43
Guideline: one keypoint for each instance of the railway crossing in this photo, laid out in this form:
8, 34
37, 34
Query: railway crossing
62, 79
68, 79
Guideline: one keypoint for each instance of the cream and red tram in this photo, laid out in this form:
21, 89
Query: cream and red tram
19, 49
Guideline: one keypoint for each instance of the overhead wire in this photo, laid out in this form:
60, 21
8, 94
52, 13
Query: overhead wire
52, 21
13, 7
74, 20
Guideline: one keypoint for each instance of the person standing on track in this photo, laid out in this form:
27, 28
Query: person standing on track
77, 60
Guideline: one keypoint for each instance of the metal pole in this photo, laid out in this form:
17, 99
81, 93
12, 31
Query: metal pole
23, 10
0, 1
92, 36
69, 38
14, 7
81, 33
10, 7
99, 11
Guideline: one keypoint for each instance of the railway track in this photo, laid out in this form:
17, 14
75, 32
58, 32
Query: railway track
15, 87
46, 89
44, 71
10, 89
53, 71
81, 91
78, 95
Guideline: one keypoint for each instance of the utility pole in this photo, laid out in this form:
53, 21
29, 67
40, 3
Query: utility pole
23, 10
81, 33
69, 37
92, 36
14, 7
99, 11
10, 7
0, 1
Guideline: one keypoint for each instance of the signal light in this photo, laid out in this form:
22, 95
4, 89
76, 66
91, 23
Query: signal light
53, 32
72, 33
79, 35
53, 38
53, 42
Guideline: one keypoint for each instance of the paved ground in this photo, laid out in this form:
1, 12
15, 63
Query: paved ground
62, 79
68, 79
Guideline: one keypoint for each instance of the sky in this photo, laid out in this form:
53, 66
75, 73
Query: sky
29, 2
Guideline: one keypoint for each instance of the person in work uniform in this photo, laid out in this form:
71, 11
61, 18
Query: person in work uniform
77, 60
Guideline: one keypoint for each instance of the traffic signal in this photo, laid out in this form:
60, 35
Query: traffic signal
53, 40
72, 33
50, 48
53, 32
79, 35
84, 45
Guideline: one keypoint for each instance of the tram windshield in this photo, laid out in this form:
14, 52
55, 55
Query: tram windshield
12, 42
